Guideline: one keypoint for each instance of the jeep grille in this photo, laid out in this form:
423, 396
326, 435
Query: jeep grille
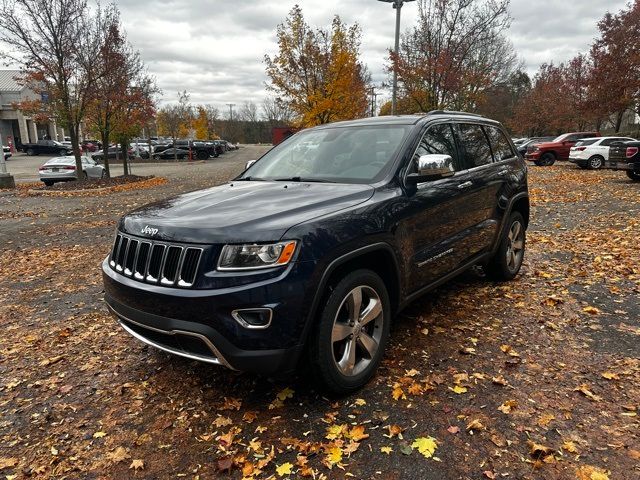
155, 262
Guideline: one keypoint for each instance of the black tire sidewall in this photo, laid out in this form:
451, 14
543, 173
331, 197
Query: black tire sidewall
635, 176
591, 167
320, 346
548, 159
497, 268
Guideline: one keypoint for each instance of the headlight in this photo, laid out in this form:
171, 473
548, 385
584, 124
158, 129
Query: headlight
246, 257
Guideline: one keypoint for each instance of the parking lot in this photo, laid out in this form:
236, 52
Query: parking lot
536, 378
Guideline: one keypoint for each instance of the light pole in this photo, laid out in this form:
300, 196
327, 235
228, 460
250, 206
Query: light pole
397, 4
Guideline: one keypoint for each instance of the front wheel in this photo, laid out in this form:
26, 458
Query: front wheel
30, 152
547, 159
507, 261
352, 333
63, 153
635, 176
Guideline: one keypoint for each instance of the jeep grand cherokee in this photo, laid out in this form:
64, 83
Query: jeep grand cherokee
315, 247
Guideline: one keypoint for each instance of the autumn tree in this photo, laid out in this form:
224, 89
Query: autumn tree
57, 43
276, 112
175, 119
457, 52
124, 92
318, 72
615, 81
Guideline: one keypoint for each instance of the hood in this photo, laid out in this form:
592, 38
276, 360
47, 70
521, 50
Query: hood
546, 144
241, 211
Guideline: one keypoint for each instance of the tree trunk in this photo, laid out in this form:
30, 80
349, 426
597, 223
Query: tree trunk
125, 156
619, 116
105, 153
73, 134
175, 152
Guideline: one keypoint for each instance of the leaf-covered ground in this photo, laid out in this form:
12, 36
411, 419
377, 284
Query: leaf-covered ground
537, 378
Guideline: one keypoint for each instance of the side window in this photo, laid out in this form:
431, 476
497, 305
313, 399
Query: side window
499, 144
475, 147
438, 139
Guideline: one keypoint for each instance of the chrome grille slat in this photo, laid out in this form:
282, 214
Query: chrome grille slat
155, 261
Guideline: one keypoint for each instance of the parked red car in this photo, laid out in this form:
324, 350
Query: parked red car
546, 153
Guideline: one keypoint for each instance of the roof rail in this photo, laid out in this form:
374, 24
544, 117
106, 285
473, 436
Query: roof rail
452, 112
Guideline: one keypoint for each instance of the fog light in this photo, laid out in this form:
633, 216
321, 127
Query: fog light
253, 318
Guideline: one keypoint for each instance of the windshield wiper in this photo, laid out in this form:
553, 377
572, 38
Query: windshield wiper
250, 179
303, 179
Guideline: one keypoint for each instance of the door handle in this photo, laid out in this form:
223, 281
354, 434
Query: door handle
502, 173
465, 185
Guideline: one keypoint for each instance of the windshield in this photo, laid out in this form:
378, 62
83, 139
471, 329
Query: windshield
561, 137
61, 161
341, 154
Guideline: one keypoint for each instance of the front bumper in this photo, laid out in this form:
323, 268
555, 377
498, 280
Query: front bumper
198, 324
615, 165
532, 156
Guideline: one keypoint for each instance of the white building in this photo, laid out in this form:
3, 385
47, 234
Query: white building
16, 128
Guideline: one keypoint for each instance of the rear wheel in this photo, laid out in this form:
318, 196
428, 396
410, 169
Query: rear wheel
596, 162
635, 176
30, 152
48, 183
507, 261
63, 153
352, 332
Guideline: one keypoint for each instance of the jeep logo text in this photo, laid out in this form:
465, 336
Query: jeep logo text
148, 230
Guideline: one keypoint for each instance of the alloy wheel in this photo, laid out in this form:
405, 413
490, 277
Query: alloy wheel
357, 330
515, 246
595, 163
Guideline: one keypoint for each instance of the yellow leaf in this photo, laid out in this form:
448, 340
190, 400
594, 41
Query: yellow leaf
425, 445
284, 469
475, 425
386, 450
137, 464
357, 433
507, 406
284, 394
569, 447
335, 431
398, 393
99, 434
611, 376
588, 472
334, 455
8, 462
458, 389
591, 310
118, 455
360, 402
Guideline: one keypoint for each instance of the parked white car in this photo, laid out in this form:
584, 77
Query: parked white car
63, 169
591, 153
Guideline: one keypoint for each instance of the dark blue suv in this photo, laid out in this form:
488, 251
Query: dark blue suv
315, 247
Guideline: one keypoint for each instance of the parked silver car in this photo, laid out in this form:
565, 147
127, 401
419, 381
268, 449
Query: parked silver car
63, 169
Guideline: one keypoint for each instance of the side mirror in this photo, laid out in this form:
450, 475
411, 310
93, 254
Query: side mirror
432, 167
249, 163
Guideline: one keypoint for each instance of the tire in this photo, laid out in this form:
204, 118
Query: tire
507, 261
334, 368
63, 153
30, 152
85, 177
635, 176
181, 157
104, 174
547, 159
48, 183
596, 162
583, 166
202, 155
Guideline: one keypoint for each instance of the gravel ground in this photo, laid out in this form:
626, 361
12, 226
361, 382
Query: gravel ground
537, 378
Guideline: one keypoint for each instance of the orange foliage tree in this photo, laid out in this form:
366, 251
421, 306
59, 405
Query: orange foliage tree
318, 73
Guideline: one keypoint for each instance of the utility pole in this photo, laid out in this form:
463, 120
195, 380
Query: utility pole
6, 179
231, 105
397, 4
374, 97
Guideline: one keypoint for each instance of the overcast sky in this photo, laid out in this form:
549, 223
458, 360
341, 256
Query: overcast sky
215, 49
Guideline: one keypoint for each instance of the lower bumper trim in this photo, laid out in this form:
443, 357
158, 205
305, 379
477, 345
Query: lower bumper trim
217, 358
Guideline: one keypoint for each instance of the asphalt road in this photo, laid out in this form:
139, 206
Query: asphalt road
25, 168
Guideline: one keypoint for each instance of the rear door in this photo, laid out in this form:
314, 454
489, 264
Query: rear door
486, 180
